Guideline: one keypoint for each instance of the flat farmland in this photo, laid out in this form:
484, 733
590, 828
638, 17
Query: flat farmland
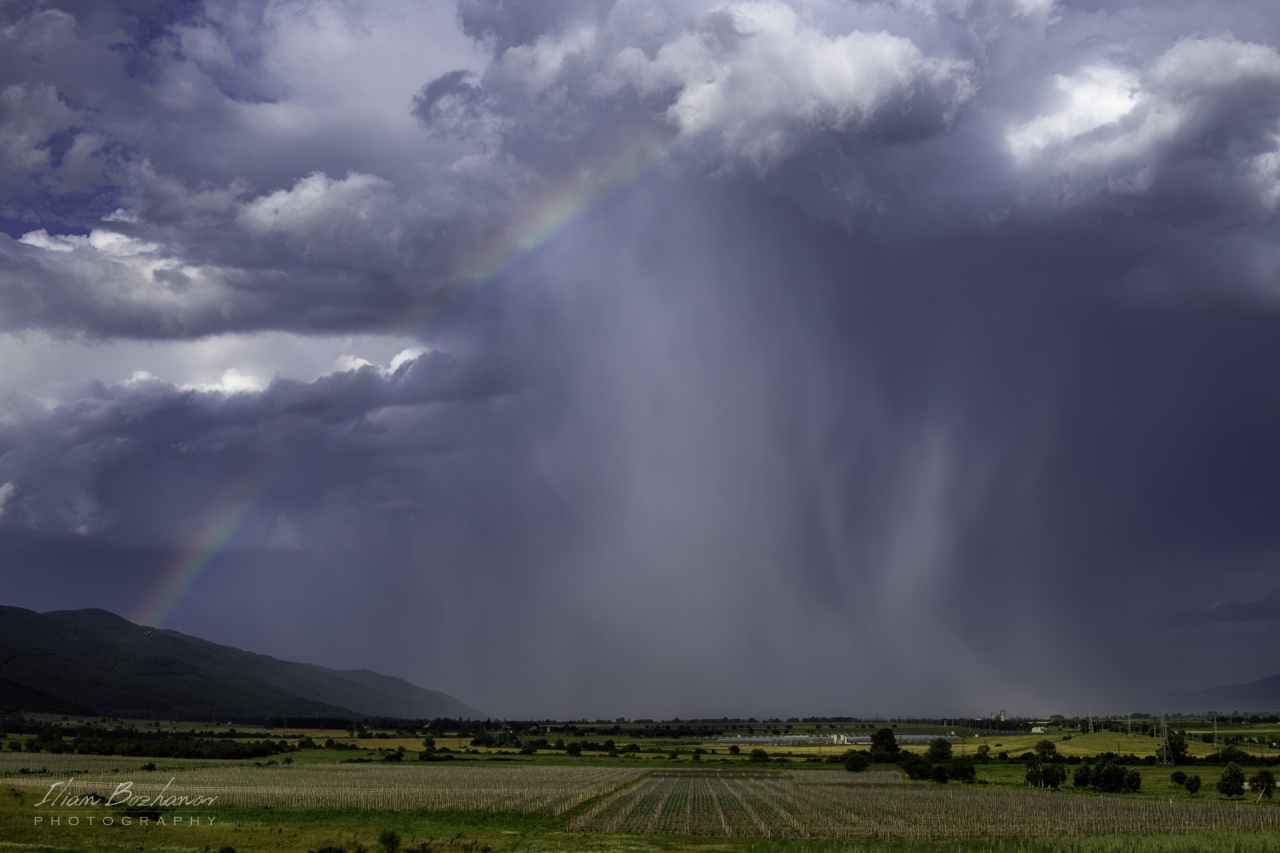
831, 806
525, 790
515, 808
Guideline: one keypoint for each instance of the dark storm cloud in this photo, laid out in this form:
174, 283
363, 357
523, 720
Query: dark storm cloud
159, 132
932, 336
889, 116
129, 439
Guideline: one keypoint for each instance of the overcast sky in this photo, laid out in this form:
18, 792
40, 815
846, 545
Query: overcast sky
651, 358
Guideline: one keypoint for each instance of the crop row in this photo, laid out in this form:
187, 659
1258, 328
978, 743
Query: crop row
540, 790
803, 806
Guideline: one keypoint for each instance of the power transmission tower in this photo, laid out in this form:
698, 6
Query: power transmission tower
1164, 752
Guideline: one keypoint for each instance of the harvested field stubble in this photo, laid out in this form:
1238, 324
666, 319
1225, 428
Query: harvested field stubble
802, 806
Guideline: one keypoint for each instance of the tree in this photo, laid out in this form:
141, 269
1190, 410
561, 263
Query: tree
939, 751
759, 755
961, 769
1132, 781
1054, 775
939, 774
574, 748
984, 753
1045, 775
1177, 747
884, 746
1109, 778
734, 749
856, 762
1083, 776
1046, 749
1192, 785
429, 743
1264, 782
1232, 782
1177, 777
389, 840
1035, 775
917, 768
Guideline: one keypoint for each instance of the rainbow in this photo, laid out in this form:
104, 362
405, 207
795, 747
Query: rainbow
551, 215
217, 530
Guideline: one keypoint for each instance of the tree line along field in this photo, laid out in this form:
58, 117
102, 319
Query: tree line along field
1014, 745
632, 742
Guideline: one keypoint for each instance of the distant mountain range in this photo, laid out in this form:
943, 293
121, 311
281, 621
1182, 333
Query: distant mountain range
1260, 695
1265, 609
95, 662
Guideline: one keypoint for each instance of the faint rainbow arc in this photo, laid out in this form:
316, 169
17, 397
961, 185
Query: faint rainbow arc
547, 218
215, 534
550, 217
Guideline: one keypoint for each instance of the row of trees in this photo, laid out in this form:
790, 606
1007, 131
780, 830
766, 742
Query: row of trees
177, 747
938, 763
1107, 776
1232, 781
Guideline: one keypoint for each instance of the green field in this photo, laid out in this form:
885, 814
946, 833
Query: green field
648, 793
496, 806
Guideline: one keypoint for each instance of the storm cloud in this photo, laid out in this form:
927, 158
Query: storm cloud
641, 358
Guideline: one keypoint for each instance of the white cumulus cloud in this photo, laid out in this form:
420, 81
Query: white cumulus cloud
1214, 101
759, 79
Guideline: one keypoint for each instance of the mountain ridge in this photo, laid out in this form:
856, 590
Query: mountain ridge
1260, 695
96, 659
